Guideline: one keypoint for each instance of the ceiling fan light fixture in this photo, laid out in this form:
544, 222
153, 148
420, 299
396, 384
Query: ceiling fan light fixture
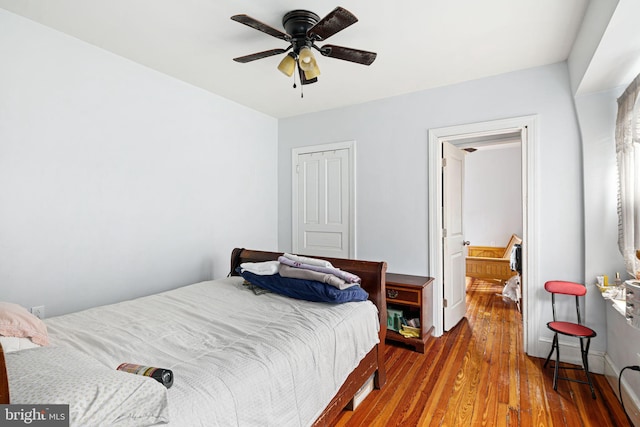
306, 59
302, 30
287, 65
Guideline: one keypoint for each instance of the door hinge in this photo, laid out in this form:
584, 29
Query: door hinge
297, 168
444, 162
444, 303
444, 232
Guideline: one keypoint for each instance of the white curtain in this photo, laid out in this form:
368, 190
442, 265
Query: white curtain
628, 157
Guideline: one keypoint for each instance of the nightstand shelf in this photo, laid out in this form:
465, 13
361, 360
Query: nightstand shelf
414, 296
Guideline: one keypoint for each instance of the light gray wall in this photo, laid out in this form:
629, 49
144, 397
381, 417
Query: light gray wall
117, 181
492, 196
597, 116
392, 197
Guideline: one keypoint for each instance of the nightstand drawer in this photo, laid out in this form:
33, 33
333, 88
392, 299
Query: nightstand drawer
401, 295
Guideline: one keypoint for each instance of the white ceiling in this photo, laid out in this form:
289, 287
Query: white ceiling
421, 44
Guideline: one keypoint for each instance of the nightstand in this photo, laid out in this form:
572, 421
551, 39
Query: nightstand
413, 295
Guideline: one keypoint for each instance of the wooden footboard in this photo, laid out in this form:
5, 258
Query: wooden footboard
373, 281
4, 380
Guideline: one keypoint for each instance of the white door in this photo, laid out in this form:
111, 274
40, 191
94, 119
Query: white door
454, 283
323, 203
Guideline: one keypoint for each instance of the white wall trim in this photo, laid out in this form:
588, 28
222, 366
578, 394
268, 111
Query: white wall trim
295, 152
528, 126
435, 229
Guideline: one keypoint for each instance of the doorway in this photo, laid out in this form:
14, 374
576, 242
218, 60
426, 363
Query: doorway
526, 127
492, 215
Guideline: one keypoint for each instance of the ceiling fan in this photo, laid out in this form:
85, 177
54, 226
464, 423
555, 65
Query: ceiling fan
303, 30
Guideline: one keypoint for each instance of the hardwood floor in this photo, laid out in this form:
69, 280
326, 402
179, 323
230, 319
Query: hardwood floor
478, 375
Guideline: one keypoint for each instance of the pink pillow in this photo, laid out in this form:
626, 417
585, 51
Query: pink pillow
16, 321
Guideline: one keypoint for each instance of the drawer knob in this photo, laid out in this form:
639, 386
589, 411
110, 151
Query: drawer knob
392, 293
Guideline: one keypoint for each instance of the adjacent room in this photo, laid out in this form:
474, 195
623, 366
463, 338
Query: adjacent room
269, 208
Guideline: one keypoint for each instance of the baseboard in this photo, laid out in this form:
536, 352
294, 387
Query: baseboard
631, 402
570, 353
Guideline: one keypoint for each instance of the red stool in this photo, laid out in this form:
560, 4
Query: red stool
577, 330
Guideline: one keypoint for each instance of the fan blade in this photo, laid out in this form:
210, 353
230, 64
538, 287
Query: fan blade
303, 78
261, 26
348, 54
259, 55
337, 20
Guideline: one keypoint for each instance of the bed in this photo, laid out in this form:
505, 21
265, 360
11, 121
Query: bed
491, 262
238, 358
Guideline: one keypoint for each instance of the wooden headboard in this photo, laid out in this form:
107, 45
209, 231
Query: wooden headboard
373, 274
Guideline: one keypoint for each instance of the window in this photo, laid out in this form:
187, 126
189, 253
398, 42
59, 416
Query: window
628, 158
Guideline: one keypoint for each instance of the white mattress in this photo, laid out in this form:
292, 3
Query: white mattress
237, 358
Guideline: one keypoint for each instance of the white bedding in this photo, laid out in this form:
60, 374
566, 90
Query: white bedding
237, 358
96, 394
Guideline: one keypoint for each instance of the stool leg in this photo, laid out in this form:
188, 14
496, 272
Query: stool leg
555, 370
585, 363
556, 347
553, 346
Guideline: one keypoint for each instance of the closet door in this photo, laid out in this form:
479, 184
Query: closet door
323, 203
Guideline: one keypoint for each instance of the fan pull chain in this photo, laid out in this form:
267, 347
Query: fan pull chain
301, 84
294, 74
294, 82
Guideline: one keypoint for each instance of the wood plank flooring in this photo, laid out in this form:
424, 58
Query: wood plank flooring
478, 375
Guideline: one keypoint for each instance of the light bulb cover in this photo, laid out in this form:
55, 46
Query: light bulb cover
287, 65
306, 58
313, 71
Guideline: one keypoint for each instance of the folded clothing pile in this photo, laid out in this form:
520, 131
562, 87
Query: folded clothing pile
305, 278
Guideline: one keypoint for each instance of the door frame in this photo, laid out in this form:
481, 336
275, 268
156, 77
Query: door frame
529, 131
295, 152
